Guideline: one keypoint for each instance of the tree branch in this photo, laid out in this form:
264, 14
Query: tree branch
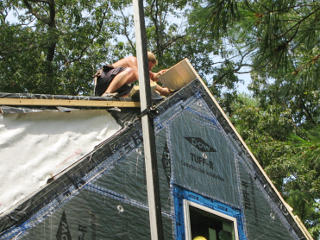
299, 22
168, 43
126, 23
244, 72
301, 67
34, 13
83, 51
3, 15
305, 109
40, 1
52, 28
52, 14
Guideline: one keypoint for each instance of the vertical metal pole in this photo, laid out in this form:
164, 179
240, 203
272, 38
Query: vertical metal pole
147, 124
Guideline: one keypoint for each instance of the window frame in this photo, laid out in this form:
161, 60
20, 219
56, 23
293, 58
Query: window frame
187, 220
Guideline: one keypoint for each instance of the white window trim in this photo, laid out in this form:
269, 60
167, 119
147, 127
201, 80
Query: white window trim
187, 223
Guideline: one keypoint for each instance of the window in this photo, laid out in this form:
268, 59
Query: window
208, 223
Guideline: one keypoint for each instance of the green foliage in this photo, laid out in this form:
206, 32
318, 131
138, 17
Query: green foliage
302, 185
286, 43
278, 40
54, 48
14, 62
289, 154
70, 40
214, 16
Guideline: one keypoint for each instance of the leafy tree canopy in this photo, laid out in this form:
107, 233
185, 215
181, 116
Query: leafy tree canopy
278, 40
55, 46
289, 154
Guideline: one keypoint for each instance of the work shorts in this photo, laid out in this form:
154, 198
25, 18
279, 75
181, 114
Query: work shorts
103, 81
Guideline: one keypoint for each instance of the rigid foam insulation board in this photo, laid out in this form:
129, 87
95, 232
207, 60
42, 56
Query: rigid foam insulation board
178, 76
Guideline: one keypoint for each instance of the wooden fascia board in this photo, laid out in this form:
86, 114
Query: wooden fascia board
67, 103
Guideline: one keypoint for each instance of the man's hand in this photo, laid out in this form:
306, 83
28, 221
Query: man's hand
158, 74
165, 91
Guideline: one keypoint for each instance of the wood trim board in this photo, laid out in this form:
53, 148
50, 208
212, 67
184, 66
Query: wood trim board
66, 102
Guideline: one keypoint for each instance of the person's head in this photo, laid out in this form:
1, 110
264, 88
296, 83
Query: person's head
152, 60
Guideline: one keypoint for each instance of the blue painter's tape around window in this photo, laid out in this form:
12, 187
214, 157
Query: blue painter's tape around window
180, 194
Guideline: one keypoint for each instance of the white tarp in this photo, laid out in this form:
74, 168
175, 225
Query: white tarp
36, 146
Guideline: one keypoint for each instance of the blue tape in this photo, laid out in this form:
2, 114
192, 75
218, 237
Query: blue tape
212, 120
180, 194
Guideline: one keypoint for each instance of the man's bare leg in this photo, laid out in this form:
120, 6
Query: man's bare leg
127, 76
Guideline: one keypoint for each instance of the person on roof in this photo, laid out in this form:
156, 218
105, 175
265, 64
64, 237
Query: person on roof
120, 75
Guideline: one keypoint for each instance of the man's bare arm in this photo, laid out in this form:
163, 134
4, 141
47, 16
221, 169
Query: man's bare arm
155, 76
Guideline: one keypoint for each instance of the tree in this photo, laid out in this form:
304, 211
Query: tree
56, 45
289, 154
278, 40
65, 42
